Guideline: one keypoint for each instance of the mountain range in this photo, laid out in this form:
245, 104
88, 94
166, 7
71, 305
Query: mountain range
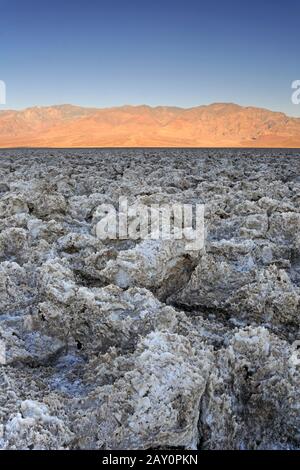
215, 125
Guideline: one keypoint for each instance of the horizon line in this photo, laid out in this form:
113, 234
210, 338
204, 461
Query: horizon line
144, 105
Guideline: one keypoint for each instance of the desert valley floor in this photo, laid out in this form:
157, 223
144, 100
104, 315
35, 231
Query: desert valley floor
142, 344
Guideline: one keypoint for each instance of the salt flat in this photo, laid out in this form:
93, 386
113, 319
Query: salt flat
195, 350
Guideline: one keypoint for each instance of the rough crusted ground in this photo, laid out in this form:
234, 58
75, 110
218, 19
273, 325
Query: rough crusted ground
194, 351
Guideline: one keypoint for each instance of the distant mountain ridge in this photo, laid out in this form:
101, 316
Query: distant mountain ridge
215, 125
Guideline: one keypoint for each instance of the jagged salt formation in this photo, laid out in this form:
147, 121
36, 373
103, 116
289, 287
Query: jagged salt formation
111, 344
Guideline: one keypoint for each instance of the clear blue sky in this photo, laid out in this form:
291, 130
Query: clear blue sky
184, 53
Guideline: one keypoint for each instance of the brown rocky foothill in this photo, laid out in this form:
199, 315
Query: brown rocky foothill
214, 125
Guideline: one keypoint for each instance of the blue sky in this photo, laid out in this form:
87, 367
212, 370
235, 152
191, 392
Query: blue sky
184, 53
